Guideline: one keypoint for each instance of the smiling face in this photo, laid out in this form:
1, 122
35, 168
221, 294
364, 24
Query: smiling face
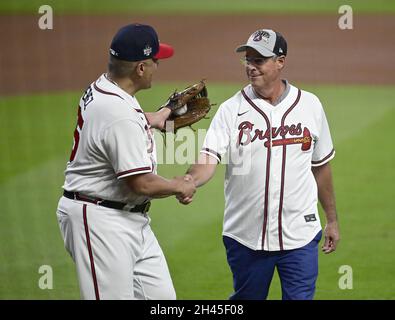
262, 71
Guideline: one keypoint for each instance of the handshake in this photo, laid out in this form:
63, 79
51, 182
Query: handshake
186, 188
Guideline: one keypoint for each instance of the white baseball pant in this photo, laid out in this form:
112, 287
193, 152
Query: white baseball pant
117, 255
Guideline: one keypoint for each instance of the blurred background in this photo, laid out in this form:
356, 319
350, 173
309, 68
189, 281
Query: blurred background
43, 73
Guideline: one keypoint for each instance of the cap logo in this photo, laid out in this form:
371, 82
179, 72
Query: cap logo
261, 35
113, 52
147, 50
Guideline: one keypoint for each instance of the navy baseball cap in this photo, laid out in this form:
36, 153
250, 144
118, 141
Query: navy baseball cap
267, 42
136, 42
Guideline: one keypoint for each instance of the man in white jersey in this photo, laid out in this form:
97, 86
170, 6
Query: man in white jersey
111, 178
278, 144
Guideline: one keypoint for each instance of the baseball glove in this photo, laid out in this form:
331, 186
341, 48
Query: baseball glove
187, 107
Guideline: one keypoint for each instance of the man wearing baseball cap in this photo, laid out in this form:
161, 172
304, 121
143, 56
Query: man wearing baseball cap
278, 144
111, 178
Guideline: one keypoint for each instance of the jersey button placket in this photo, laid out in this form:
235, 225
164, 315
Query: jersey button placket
275, 172
271, 177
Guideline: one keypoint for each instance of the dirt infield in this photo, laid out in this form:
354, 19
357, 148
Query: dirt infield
75, 51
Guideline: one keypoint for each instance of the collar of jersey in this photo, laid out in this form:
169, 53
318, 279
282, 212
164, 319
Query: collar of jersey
106, 84
266, 106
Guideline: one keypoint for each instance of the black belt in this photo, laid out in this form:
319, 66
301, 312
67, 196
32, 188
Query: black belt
107, 203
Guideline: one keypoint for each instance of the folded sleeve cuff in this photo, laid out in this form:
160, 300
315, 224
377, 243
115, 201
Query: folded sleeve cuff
324, 160
212, 153
134, 171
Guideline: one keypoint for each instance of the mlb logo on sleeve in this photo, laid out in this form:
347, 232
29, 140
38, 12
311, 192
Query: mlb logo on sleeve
310, 217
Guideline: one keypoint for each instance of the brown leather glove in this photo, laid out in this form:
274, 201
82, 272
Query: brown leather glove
188, 106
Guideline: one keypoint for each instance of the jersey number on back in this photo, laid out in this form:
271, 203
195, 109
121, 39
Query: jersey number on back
78, 128
87, 98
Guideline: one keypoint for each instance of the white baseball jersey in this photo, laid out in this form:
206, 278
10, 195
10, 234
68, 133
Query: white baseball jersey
117, 255
270, 190
112, 140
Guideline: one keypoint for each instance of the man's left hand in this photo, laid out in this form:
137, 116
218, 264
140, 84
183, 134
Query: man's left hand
332, 237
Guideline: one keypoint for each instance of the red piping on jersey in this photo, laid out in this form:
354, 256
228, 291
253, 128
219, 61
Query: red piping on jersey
265, 209
106, 92
141, 111
132, 170
149, 123
322, 160
88, 243
213, 152
280, 210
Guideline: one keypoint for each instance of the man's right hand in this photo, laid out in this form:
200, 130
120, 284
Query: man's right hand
184, 197
186, 189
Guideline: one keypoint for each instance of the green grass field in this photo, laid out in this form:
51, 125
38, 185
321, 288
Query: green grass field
195, 7
36, 137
